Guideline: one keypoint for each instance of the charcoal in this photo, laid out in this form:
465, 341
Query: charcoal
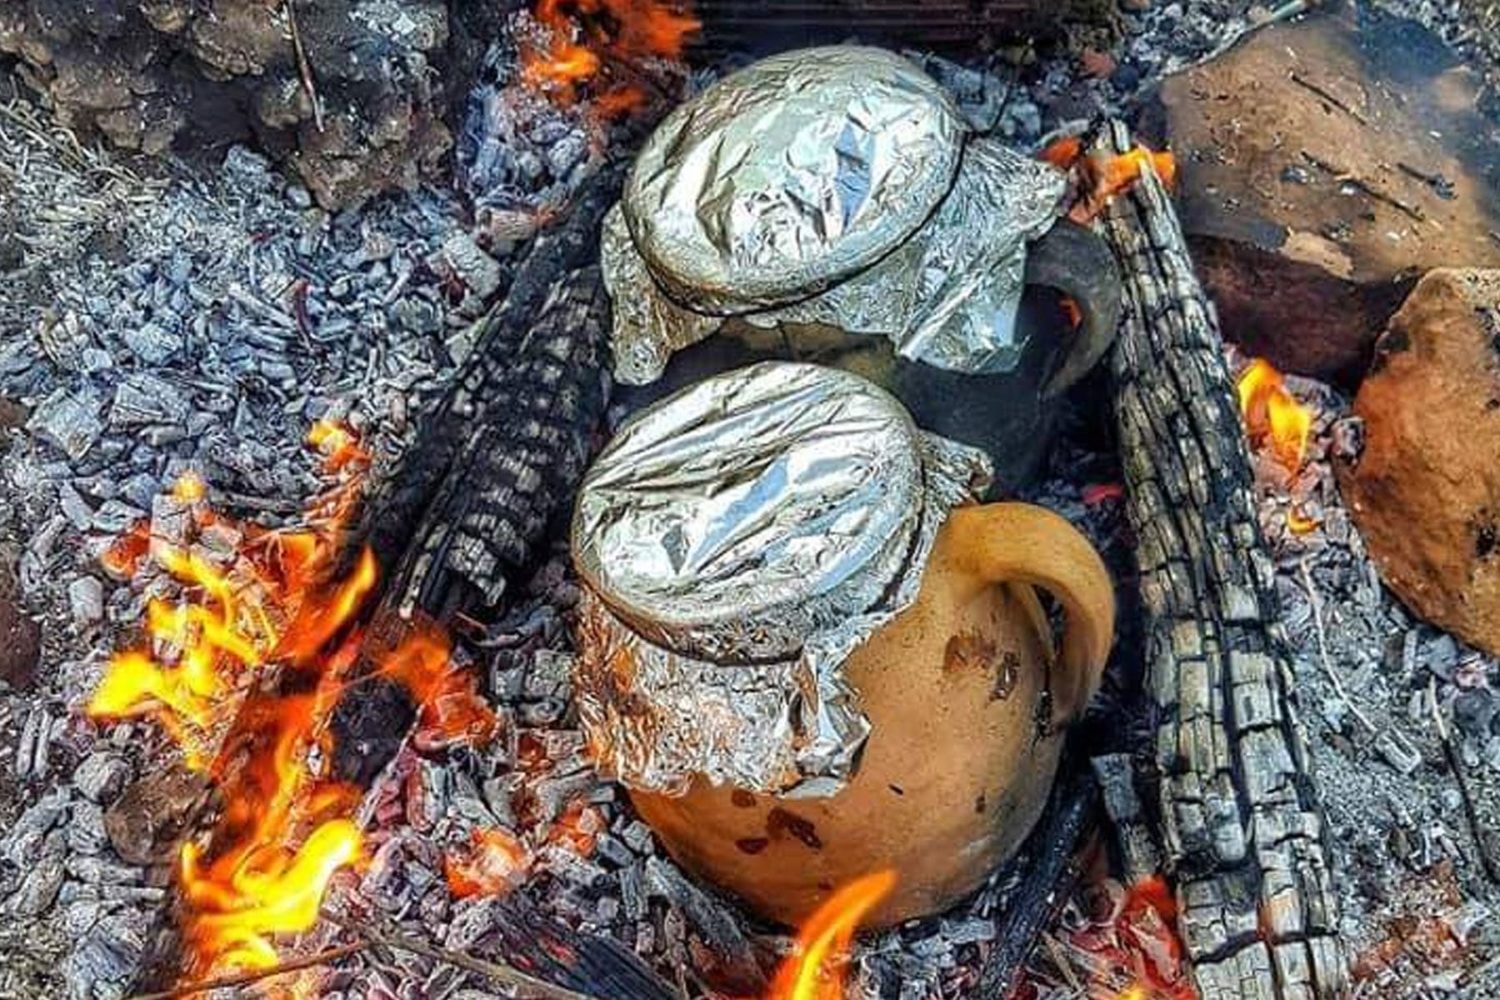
151, 343
86, 598
68, 420
142, 399
38, 887
709, 917
100, 777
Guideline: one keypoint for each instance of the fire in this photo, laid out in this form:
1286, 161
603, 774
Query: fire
598, 44
1298, 523
280, 601
1100, 177
812, 972
494, 861
1126, 945
1272, 415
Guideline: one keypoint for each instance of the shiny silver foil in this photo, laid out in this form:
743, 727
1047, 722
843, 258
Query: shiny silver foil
736, 542
836, 186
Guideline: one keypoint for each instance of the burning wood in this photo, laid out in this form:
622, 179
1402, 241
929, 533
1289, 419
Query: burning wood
593, 44
273, 618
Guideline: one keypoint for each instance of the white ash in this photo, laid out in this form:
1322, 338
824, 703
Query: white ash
161, 325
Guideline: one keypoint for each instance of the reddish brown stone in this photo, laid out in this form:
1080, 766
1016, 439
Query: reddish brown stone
147, 823
1425, 491
20, 637
1323, 166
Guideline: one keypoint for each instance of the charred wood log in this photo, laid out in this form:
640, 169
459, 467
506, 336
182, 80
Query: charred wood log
1240, 823
1044, 873
534, 383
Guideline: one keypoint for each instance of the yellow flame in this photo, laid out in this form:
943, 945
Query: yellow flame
274, 891
811, 972
1272, 414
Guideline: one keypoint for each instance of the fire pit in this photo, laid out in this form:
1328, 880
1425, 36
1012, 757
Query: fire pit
300, 692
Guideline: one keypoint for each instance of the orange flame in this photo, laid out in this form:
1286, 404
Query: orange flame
268, 602
494, 861
812, 972
1100, 177
1273, 415
588, 39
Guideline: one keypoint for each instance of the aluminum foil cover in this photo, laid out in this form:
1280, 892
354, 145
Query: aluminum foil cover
834, 186
736, 542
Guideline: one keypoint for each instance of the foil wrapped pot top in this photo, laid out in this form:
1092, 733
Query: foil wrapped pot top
796, 171
837, 186
736, 541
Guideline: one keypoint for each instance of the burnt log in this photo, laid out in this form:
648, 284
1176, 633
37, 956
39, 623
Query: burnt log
535, 386
764, 26
1240, 823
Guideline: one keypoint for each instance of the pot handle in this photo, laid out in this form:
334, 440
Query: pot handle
1019, 543
1078, 263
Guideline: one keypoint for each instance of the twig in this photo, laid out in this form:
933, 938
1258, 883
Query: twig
247, 978
1347, 177
1333, 675
1285, 12
304, 68
1328, 96
529, 986
1450, 753
1063, 963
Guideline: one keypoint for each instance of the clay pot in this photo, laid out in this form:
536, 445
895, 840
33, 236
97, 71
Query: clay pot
967, 704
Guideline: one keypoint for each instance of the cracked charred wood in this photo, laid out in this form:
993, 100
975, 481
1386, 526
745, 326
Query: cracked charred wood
537, 392
1241, 828
514, 438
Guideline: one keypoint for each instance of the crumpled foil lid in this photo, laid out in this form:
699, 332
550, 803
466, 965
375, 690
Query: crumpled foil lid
837, 186
736, 542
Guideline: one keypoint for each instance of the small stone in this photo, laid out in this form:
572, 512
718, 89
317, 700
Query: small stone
298, 196
100, 777
86, 599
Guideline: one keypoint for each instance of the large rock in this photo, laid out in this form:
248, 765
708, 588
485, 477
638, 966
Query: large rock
1425, 491
1323, 166
153, 74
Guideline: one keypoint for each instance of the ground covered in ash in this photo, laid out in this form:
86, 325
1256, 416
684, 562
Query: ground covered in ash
157, 318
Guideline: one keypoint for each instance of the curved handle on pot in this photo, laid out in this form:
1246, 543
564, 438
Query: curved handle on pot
1077, 262
1018, 543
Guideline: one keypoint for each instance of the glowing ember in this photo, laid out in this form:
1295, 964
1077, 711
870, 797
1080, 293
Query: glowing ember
492, 865
814, 972
1128, 946
451, 712
1299, 524
275, 602
1101, 177
1272, 415
595, 43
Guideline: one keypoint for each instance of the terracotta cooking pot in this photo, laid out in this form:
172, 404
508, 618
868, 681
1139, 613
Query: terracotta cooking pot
810, 655
967, 705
